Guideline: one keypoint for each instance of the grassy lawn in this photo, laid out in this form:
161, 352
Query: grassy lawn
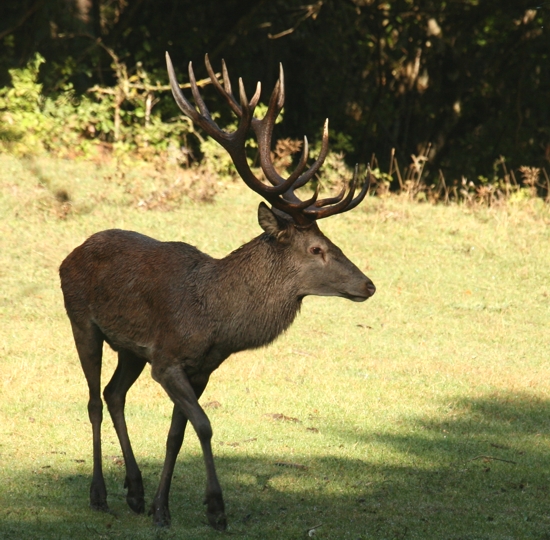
422, 413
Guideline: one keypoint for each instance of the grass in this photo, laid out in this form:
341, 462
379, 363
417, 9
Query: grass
423, 413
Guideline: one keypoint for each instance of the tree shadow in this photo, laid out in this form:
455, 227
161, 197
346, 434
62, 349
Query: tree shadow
510, 425
480, 470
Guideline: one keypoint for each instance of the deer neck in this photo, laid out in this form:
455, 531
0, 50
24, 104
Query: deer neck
256, 293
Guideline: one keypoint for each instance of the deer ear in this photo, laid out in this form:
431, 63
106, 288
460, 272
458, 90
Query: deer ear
271, 224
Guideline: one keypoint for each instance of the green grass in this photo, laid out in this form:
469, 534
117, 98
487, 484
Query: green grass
422, 413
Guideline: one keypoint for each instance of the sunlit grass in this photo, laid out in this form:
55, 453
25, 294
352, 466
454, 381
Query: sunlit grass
422, 413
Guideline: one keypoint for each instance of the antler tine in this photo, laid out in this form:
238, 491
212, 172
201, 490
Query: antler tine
308, 175
363, 192
264, 131
344, 205
331, 200
305, 204
249, 105
302, 163
242, 94
303, 179
338, 207
281, 101
225, 75
224, 90
196, 94
182, 102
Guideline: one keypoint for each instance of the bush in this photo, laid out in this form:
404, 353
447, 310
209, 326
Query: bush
68, 125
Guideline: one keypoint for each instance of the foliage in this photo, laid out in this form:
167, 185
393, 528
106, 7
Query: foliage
120, 120
469, 77
66, 125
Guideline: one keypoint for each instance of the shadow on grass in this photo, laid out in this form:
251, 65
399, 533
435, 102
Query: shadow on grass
481, 470
510, 427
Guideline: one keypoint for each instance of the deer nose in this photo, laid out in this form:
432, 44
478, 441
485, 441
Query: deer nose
371, 289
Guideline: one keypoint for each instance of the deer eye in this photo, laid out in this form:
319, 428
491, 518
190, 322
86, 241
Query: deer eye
315, 250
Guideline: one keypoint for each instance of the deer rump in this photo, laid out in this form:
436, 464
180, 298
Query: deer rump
184, 312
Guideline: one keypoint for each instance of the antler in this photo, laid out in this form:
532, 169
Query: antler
281, 192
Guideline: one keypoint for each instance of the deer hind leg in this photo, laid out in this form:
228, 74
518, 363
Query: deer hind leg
89, 345
129, 368
185, 394
160, 508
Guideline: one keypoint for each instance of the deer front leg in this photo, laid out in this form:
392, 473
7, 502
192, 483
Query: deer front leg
184, 395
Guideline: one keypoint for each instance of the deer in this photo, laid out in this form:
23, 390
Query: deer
184, 312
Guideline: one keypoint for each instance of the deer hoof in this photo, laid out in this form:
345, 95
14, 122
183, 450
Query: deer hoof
161, 515
134, 497
99, 506
217, 520
98, 497
136, 504
215, 511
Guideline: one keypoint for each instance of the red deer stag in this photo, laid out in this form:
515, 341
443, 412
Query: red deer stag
185, 312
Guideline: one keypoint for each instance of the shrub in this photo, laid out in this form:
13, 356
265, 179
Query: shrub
68, 125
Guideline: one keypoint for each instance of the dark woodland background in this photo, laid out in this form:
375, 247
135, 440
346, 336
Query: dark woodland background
471, 77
